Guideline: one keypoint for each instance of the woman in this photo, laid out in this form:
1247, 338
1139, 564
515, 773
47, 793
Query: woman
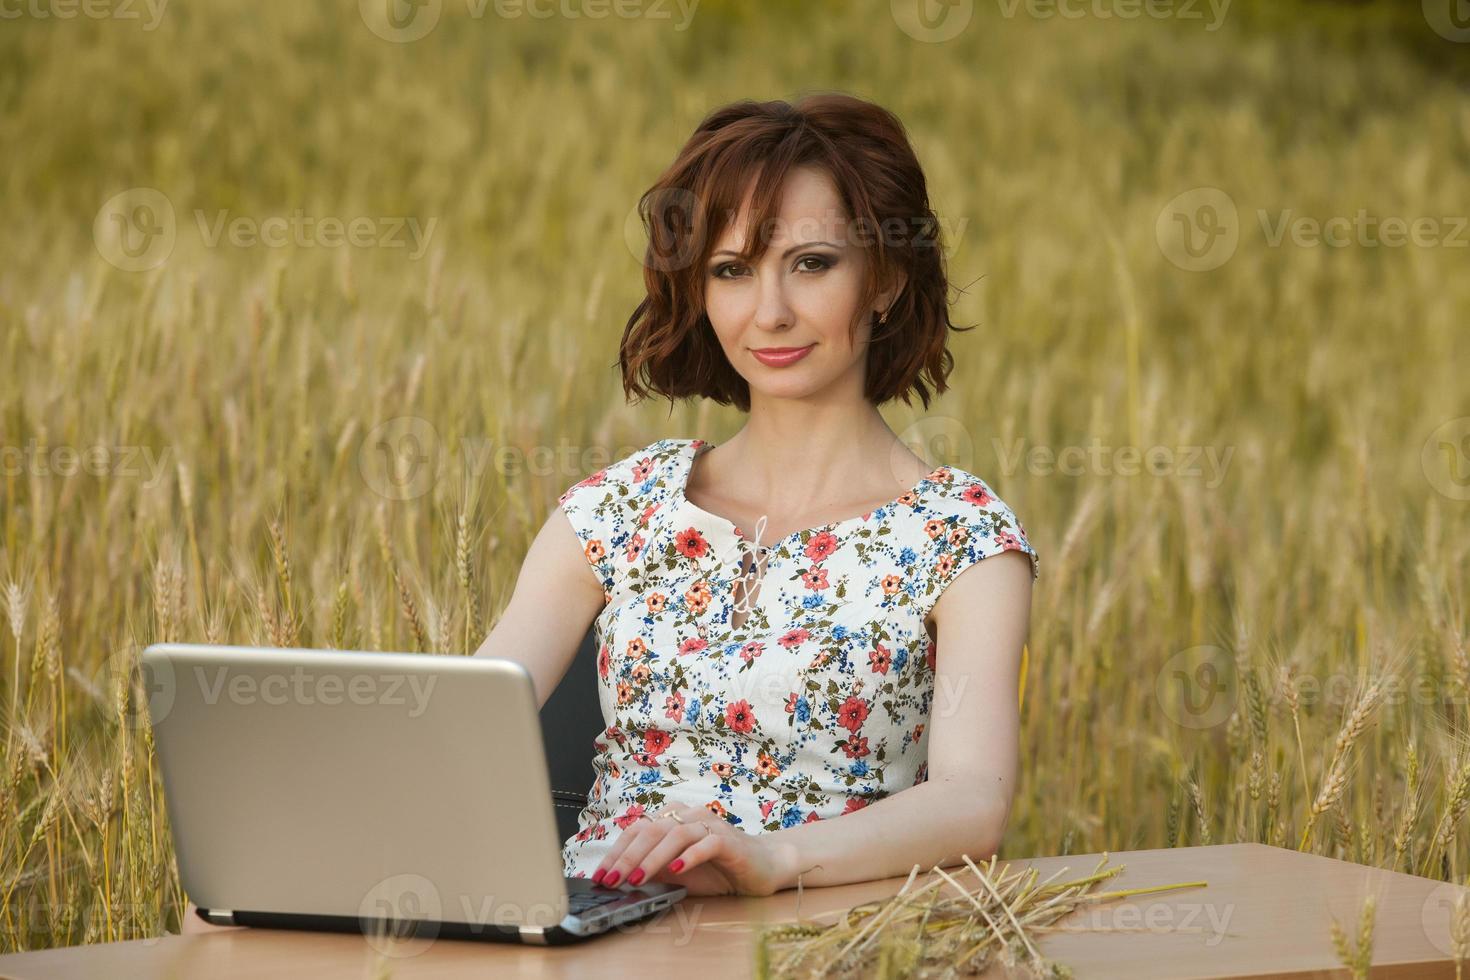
837, 664
755, 687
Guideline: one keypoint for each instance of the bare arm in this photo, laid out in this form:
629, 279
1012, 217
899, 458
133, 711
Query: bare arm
965, 804
556, 597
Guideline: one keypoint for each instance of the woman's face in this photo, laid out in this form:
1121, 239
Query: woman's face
803, 294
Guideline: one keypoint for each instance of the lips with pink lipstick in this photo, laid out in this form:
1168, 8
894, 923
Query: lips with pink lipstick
781, 356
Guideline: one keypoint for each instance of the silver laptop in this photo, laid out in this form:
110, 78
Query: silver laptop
383, 793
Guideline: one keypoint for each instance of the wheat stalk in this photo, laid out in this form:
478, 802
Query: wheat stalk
1460, 930
1356, 955
1335, 780
923, 932
17, 604
1457, 798
464, 565
1410, 816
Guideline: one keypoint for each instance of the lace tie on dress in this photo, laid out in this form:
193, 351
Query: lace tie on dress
755, 554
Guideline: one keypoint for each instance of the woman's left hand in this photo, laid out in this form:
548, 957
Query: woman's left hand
717, 859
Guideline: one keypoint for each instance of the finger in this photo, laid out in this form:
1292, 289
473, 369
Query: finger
619, 845
673, 844
625, 870
700, 852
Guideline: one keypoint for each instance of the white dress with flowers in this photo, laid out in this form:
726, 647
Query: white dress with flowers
817, 703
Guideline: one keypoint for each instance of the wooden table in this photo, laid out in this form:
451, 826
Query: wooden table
1266, 912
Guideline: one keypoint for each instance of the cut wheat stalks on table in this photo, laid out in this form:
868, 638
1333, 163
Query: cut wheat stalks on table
920, 932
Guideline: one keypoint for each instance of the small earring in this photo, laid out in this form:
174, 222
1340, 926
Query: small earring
883, 318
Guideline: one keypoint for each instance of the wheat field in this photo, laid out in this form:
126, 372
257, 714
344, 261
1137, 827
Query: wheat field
1260, 637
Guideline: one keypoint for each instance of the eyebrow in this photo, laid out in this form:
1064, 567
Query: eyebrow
795, 248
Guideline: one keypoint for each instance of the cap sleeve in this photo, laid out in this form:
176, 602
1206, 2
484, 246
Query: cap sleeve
970, 525
587, 505
604, 511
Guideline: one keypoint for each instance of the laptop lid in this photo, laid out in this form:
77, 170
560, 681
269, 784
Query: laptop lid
362, 784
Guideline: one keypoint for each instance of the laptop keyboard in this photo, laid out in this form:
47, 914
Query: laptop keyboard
582, 901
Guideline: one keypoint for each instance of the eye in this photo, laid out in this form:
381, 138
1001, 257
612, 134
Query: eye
822, 262
719, 271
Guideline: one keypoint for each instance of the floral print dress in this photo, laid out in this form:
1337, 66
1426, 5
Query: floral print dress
816, 703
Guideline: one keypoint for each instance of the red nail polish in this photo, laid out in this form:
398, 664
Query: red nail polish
612, 879
635, 877
677, 866
599, 874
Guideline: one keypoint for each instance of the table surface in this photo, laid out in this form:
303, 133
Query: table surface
1264, 912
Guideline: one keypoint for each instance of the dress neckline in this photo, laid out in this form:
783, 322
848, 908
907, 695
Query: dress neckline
691, 449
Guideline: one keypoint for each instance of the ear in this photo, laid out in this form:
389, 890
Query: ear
886, 297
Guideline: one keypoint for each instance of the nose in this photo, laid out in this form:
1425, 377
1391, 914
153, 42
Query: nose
773, 311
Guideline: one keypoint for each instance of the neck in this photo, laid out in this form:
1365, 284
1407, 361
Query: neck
791, 460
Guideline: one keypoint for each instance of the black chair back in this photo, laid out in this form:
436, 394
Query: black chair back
570, 720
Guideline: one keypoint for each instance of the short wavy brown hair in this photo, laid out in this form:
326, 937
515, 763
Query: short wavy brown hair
669, 347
